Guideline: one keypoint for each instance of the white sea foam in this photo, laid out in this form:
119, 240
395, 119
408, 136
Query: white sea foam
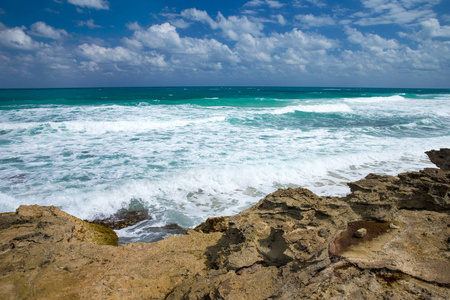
7, 203
130, 126
19, 126
322, 108
442, 97
187, 162
99, 127
226, 187
375, 99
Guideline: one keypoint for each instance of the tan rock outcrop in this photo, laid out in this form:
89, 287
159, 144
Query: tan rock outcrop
417, 248
379, 198
292, 225
292, 244
48, 254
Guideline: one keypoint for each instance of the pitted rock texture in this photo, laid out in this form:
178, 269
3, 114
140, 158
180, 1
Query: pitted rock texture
48, 254
37, 225
379, 197
214, 224
441, 158
292, 225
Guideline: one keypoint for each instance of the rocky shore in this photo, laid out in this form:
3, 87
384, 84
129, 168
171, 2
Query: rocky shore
388, 239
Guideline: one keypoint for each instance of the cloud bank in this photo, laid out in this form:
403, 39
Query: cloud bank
195, 47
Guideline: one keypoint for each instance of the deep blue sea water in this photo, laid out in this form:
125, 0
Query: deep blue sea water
190, 153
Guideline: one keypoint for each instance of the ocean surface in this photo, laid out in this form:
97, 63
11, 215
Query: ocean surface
187, 154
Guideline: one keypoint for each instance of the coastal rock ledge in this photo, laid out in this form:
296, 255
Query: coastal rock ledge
388, 239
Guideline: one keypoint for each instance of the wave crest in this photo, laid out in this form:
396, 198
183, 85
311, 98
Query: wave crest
98, 127
375, 99
323, 108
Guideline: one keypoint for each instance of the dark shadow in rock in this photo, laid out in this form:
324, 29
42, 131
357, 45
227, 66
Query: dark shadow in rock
277, 245
216, 252
389, 277
347, 238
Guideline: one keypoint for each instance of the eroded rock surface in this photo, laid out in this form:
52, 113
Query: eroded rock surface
379, 198
292, 244
440, 158
48, 254
288, 226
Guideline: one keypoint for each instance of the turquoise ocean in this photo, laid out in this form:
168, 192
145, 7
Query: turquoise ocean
187, 154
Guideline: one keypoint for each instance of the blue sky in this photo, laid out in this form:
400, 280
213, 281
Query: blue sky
90, 43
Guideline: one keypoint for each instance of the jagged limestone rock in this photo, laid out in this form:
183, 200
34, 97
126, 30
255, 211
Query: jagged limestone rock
292, 225
48, 254
381, 197
441, 158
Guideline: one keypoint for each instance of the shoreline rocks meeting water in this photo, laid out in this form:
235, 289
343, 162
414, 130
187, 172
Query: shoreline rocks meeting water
388, 239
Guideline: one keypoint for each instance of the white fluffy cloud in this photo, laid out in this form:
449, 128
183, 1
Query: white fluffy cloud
102, 54
231, 27
432, 28
310, 20
298, 39
163, 37
284, 49
90, 66
370, 41
43, 30
199, 16
318, 3
16, 38
423, 65
166, 39
251, 46
98, 54
400, 12
382, 5
96, 4
281, 20
270, 3
159, 46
